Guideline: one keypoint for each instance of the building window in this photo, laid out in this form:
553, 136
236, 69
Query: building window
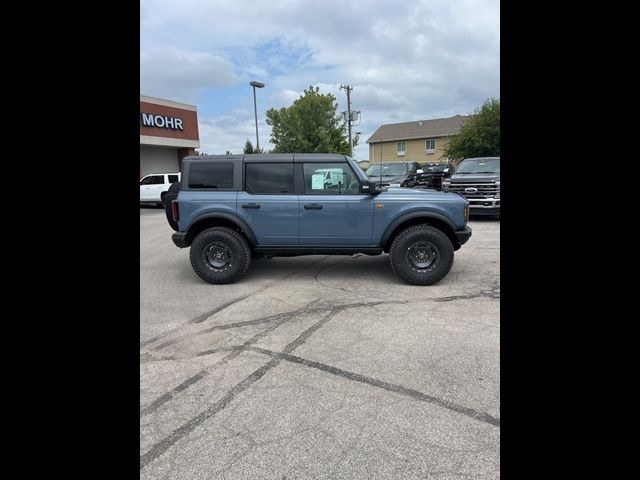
430, 145
401, 148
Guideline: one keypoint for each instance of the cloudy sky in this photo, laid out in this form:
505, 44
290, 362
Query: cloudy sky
406, 60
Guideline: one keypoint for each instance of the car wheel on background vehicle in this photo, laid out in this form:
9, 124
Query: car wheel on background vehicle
170, 196
220, 255
421, 255
162, 195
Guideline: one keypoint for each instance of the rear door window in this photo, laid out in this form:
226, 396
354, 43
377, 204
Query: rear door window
269, 178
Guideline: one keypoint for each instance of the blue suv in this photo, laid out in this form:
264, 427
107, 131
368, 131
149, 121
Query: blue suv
232, 208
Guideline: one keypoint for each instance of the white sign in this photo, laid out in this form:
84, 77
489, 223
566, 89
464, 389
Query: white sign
160, 121
317, 181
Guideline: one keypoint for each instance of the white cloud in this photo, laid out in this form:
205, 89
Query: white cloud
182, 74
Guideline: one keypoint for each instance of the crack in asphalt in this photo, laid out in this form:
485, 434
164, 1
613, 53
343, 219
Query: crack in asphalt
235, 351
148, 357
159, 448
276, 357
493, 292
203, 317
410, 392
324, 268
267, 319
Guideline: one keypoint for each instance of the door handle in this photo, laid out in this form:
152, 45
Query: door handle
250, 205
313, 206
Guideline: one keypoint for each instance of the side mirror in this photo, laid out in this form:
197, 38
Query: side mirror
368, 187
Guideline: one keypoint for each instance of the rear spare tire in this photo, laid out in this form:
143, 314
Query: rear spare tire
171, 195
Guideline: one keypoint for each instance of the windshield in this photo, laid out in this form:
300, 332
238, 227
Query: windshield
388, 169
434, 168
479, 165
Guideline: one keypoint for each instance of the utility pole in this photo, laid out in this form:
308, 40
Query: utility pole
348, 89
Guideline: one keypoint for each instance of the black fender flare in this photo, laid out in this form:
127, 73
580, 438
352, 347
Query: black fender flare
244, 226
411, 215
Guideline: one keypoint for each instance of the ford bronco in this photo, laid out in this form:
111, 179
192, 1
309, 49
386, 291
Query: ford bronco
232, 208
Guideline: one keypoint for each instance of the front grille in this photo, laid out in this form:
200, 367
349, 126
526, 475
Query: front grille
484, 190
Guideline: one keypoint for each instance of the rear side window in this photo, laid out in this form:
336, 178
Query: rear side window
173, 178
269, 178
210, 175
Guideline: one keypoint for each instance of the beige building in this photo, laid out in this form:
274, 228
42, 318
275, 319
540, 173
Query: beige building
420, 141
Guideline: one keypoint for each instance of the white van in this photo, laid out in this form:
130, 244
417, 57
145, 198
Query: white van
153, 187
332, 176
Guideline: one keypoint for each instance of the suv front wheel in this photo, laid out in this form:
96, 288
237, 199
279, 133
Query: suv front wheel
220, 255
421, 255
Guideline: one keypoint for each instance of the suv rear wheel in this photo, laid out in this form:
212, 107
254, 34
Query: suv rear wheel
421, 255
220, 255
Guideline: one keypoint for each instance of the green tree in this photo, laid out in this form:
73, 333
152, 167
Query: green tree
248, 148
310, 125
479, 135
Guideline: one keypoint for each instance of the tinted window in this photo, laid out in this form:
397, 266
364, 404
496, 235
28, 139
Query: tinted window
479, 165
211, 175
329, 179
173, 178
266, 178
153, 180
389, 169
435, 168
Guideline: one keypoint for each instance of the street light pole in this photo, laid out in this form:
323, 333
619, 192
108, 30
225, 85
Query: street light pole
255, 84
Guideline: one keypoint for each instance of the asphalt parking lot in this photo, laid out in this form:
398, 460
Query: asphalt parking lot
319, 367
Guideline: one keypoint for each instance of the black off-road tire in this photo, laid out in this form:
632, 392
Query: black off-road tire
220, 255
171, 195
421, 255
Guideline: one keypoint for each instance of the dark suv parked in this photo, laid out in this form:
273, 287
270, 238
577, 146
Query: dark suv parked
392, 173
231, 209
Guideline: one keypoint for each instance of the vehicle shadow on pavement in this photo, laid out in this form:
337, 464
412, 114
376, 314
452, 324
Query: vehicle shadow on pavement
341, 268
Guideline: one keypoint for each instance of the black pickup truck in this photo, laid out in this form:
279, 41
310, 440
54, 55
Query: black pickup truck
478, 180
431, 176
